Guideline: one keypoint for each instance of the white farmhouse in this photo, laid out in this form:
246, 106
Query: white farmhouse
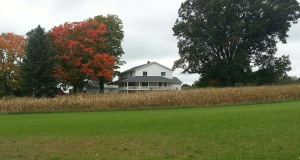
149, 76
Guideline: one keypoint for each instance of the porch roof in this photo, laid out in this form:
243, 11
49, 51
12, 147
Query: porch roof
148, 79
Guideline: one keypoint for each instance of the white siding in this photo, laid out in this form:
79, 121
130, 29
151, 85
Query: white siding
154, 70
177, 86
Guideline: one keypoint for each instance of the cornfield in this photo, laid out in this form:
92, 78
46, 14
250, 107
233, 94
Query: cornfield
153, 99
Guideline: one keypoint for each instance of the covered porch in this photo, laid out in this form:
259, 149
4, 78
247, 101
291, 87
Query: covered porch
127, 86
144, 83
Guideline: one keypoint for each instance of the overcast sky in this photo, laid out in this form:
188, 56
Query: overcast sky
147, 26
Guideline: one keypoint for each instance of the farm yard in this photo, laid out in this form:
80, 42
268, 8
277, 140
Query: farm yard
213, 123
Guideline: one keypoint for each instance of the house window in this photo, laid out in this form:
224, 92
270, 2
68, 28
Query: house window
144, 83
144, 73
131, 74
163, 73
131, 84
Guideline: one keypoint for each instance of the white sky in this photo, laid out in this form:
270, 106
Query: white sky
147, 27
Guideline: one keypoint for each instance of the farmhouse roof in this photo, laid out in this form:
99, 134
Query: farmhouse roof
142, 66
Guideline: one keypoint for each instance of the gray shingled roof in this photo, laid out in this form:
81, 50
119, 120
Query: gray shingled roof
134, 68
176, 80
148, 79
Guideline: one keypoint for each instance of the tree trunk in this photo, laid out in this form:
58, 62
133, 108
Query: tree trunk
101, 84
5, 85
74, 88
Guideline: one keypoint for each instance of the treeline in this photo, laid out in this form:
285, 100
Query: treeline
72, 53
267, 79
285, 80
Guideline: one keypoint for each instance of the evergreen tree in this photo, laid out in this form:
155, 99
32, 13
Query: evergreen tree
38, 65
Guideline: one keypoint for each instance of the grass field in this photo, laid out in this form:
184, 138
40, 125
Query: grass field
260, 131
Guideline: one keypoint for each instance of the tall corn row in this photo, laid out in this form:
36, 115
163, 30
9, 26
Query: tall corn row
153, 99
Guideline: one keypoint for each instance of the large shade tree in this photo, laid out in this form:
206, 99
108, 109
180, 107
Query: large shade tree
114, 37
223, 40
11, 52
38, 64
79, 52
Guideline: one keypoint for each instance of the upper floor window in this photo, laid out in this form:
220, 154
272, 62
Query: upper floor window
163, 73
144, 73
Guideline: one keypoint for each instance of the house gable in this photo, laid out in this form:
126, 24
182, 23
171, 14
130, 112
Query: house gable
150, 64
154, 69
148, 69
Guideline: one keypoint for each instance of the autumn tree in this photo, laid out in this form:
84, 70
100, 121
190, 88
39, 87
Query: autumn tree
79, 48
114, 37
11, 53
224, 40
38, 64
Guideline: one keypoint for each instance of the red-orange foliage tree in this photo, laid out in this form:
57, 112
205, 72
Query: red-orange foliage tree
11, 52
79, 47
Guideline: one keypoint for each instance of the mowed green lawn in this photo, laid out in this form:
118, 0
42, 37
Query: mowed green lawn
260, 131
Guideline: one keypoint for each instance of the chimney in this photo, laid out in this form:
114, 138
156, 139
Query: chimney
148, 62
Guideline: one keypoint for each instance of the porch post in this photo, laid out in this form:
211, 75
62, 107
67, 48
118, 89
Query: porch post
139, 85
127, 85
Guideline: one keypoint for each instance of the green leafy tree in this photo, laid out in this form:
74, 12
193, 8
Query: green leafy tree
38, 64
114, 37
271, 70
288, 80
222, 40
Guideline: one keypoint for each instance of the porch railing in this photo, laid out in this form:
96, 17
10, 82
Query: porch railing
147, 88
